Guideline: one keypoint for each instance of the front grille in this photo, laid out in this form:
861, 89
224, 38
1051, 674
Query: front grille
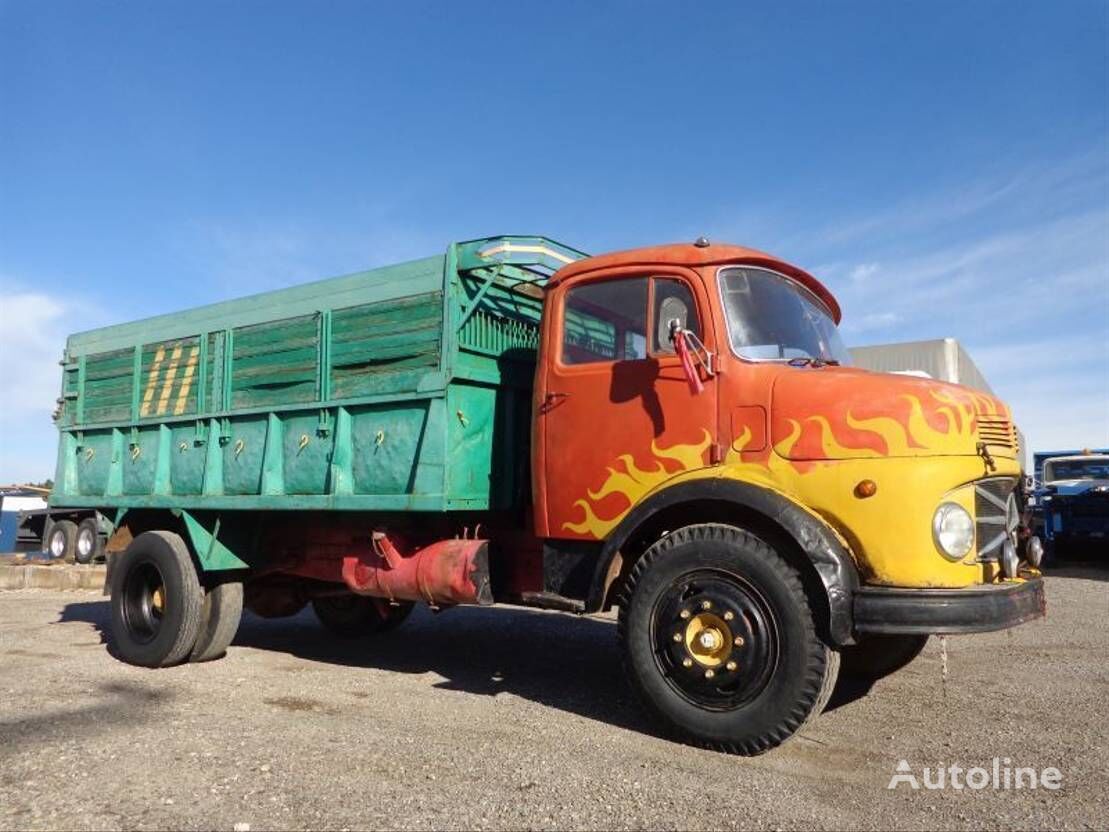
997, 431
995, 515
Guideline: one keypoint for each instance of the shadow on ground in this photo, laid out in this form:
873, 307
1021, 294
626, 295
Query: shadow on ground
558, 660
112, 704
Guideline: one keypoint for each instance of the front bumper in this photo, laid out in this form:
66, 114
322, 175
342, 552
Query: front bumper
976, 609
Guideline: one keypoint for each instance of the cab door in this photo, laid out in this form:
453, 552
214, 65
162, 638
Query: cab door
615, 415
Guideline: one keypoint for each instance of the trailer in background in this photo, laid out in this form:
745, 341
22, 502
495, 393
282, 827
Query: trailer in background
16, 502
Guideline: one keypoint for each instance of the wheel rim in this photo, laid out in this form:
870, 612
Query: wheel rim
57, 543
84, 543
144, 602
715, 639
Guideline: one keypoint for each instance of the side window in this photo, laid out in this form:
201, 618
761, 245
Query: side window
673, 301
605, 321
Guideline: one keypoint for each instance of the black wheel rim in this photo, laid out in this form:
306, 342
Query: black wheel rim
144, 602
715, 639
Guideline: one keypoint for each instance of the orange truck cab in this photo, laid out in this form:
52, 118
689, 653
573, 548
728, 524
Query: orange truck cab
758, 508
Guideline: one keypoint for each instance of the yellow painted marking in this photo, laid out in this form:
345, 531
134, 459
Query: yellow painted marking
511, 247
186, 381
151, 380
171, 374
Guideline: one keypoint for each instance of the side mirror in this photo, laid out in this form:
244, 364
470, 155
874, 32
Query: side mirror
681, 347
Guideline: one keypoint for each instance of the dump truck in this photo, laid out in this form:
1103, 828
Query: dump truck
673, 432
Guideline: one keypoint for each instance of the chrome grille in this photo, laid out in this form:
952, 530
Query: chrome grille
995, 515
997, 431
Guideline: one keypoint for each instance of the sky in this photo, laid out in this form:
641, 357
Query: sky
942, 166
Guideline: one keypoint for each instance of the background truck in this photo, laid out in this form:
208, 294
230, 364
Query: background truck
1072, 501
669, 430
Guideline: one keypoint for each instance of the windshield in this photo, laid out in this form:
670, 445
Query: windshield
1076, 469
770, 317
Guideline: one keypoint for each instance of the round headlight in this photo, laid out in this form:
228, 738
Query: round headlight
953, 530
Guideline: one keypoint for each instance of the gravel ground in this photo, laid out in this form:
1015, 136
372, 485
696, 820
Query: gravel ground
517, 719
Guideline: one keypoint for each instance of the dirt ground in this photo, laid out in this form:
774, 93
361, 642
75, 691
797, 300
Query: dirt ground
506, 719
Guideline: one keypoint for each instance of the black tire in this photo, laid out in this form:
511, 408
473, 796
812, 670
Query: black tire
219, 621
61, 539
86, 543
876, 657
782, 675
357, 616
156, 601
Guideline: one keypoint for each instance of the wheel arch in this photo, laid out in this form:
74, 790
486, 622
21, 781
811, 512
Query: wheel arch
826, 566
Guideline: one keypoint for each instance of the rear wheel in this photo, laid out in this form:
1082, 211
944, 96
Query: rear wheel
86, 546
719, 640
156, 601
355, 616
875, 657
61, 540
219, 621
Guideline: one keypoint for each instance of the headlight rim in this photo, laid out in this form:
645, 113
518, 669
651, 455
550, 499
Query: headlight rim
942, 510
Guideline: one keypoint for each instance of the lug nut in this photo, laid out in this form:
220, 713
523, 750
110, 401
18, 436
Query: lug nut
729, 615
677, 636
709, 674
684, 614
738, 642
706, 605
730, 666
687, 662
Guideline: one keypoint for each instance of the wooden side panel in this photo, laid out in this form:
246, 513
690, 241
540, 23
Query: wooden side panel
275, 363
108, 386
370, 340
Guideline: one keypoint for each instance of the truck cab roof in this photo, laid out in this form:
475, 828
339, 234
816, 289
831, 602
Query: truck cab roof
694, 255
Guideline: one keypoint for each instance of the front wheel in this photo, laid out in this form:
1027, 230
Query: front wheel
719, 640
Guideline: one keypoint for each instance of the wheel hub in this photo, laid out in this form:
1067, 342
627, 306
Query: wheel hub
708, 639
717, 640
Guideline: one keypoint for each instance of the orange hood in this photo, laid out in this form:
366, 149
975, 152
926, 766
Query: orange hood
845, 413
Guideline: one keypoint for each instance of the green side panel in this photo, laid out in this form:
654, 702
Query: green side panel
471, 421
109, 382
388, 337
214, 372
275, 363
243, 455
307, 454
94, 455
141, 461
210, 550
168, 378
389, 445
70, 392
186, 460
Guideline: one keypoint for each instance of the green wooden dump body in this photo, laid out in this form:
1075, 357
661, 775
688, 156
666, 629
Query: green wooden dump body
402, 388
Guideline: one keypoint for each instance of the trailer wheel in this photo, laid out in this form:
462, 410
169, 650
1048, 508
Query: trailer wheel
876, 657
219, 621
719, 640
356, 616
156, 601
86, 547
61, 540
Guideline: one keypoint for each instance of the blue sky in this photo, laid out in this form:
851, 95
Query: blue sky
943, 166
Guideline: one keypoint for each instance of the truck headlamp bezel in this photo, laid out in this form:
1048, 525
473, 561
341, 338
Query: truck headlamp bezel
953, 543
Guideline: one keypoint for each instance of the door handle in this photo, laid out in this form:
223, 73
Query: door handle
551, 399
